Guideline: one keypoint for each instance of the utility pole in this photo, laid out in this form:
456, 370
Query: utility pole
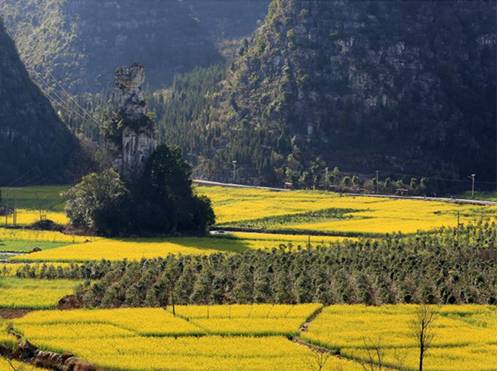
327, 178
377, 181
14, 214
234, 163
473, 184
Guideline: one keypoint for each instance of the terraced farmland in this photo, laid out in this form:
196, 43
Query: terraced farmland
464, 335
146, 339
261, 336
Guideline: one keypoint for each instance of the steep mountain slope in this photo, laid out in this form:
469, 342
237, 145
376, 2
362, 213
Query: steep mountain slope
35, 145
404, 87
229, 19
81, 42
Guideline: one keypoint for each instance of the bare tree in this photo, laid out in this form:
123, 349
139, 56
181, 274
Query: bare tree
400, 358
374, 360
318, 359
422, 330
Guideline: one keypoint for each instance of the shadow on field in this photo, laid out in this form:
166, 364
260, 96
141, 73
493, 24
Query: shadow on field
226, 243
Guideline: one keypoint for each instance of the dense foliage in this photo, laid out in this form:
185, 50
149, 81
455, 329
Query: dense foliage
450, 266
96, 203
363, 85
160, 201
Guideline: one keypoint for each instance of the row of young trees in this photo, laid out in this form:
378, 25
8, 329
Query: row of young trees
450, 266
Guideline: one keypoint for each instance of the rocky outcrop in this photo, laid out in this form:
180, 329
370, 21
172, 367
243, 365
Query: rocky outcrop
137, 138
26, 351
36, 147
69, 302
405, 87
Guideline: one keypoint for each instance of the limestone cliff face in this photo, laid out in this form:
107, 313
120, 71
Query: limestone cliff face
35, 146
80, 42
402, 86
137, 139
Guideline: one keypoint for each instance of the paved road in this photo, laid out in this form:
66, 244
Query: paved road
442, 199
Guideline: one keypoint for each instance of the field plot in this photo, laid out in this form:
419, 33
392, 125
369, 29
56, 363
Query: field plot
255, 320
295, 210
195, 353
146, 338
136, 249
27, 246
124, 321
10, 234
35, 197
329, 212
33, 294
25, 217
15, 365
465, 335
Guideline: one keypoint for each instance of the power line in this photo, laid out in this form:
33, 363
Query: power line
64, 102
71, 98
56, 99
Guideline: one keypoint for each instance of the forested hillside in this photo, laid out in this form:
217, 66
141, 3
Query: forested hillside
35, 144
403, 87
228, 20
406, 88
80, 43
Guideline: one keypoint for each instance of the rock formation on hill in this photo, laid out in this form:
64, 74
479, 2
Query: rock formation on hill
398, 86
35, 146
135, 135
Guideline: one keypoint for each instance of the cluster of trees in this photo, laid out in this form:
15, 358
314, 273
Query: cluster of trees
160, 201
450, 266
320, 176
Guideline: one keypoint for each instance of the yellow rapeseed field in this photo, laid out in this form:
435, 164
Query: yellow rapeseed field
136, 321
247, 311
136, 249
464, 334
47, 236
16, 365
33, 294
373, 215
196, 353
26, 217
115, 338
255, 319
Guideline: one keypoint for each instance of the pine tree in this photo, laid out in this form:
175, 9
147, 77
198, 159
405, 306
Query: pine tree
201, 292
184, 285
151, 299
132, 296
302, 288
262, 285
282, 288
244, 285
